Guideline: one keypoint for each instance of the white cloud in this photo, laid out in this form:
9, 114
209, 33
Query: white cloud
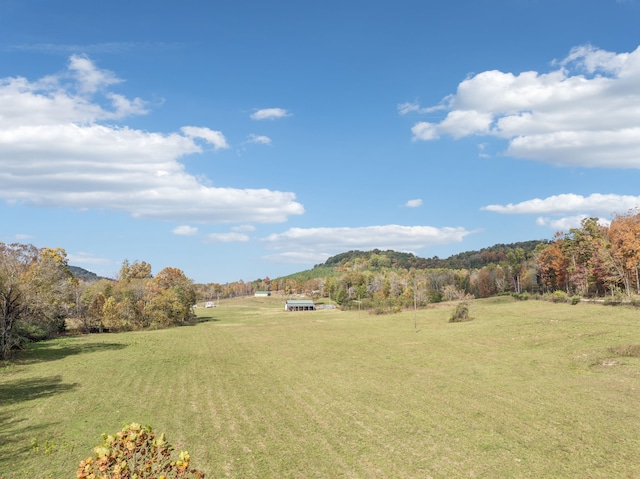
567, 223
482, 150
595, 204
568, 210
54, 152
185, 230
22, 236
411, 107
259, 139
323, 242
586, 112
298, 257
561, 224
215, 138
228, 237
425, 131
243, 228
86, 258
270, 114
89, 78
459, 123
414, 203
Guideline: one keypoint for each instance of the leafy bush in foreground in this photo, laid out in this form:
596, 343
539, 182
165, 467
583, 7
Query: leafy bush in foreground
136, 453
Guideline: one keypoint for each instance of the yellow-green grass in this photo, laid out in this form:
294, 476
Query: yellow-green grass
524, 390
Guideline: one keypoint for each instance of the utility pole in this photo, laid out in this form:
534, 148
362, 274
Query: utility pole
415, 304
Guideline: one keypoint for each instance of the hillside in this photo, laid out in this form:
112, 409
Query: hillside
495, 254
378, 259
84, 274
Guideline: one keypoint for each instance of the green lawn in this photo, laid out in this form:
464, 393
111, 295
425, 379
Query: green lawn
524, 390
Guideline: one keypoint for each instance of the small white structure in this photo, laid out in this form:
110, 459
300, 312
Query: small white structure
260, 294
299, 305
210, 304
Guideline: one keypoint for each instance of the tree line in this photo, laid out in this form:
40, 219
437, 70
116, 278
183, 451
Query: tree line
592, 260
595, 259
373, 280
38, 292
39, 295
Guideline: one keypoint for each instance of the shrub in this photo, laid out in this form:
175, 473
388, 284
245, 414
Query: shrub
629, 351
617, 298
520, 296
32, 332
612, 301
575, 300
136, 452
460, 314
435, 296
558, 297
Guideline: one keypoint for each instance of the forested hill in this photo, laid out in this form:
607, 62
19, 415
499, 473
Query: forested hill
495, 254
83, 274
467, 260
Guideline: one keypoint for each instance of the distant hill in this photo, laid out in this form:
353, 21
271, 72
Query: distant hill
84, 275
467, 260
495, 254
378, 259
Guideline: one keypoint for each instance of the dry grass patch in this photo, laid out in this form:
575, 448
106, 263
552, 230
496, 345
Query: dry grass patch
628, 351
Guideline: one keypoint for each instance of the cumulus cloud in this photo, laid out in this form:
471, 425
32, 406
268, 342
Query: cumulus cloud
215, 138
56, 151
297, 257
270, 114
232, 237
409, 107
243, 228
564, 224
555, 208
321, 243
413, 203
597, 204
585, 112
185, 230
89, 78
259, 139
414, 107
82, 257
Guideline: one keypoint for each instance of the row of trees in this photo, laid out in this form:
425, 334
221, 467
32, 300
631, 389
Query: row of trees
592, 260
372, 281
38, 294
137, 300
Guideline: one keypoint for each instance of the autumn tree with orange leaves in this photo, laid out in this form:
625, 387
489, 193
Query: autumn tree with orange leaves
594, 259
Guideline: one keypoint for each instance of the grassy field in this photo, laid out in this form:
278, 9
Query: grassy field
524, 390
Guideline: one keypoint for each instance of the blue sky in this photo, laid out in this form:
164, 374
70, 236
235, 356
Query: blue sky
238, 140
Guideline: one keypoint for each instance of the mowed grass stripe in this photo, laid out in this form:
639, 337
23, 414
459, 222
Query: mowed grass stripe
274, 428
526, 389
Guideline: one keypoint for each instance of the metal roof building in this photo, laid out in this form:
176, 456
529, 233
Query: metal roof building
299, 305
